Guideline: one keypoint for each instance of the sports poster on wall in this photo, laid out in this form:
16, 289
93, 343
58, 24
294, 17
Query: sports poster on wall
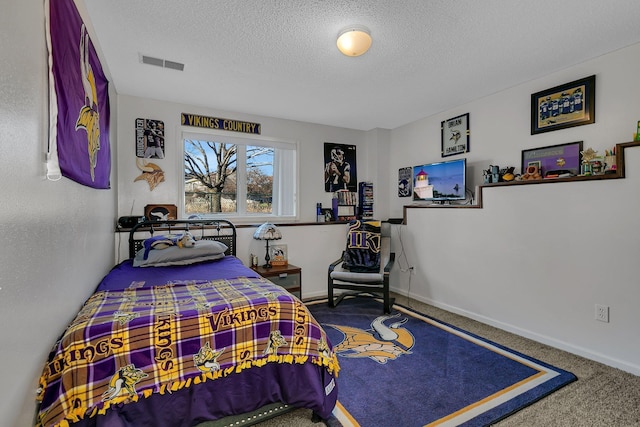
340, 167
455, 135
405, 182
150, 139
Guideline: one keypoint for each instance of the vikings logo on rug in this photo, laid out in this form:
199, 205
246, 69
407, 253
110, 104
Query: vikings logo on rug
79, 101
380, 343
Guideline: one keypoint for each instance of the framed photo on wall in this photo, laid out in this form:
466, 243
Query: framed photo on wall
568, 105
455, 135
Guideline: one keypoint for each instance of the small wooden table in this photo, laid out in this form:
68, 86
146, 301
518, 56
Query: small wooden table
288, 276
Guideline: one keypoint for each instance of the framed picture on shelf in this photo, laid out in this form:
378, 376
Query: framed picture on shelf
161, 212
328, 214
278, 254
561, 158
346, 212
568, 105
455, 135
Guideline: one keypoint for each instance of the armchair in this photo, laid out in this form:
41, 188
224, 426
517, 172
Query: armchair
373, 284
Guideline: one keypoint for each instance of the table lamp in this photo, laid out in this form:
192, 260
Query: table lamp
267, 231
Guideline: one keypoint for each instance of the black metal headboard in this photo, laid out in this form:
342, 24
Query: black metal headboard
219, 230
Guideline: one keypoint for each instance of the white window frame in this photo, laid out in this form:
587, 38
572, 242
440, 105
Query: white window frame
285, 201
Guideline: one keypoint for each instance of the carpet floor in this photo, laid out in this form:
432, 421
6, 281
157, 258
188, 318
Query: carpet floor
602, 396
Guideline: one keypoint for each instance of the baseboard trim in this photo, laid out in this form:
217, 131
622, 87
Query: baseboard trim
544, 339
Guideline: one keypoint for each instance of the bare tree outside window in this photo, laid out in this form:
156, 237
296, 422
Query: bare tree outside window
259, 179
207, 166
213, 182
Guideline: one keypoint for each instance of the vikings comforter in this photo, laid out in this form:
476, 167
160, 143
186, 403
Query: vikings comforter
185, 351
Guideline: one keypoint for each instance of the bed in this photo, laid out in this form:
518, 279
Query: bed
182, 334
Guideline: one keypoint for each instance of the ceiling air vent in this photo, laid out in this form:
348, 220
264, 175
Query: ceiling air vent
174, 65
159, 62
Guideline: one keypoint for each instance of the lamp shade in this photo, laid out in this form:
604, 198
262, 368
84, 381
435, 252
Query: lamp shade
267, 231
354, 40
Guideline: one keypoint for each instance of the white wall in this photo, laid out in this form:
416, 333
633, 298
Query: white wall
311, 247
537, 258
531, 261
133, 196
56, 238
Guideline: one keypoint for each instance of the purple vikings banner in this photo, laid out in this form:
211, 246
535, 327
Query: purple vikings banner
79, 100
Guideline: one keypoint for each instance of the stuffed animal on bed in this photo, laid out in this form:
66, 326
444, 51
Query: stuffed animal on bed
184, 240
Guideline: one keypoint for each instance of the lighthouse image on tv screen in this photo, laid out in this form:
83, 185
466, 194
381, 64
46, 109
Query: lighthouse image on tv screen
440, 182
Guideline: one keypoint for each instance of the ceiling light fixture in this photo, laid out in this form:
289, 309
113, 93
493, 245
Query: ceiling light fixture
354, 40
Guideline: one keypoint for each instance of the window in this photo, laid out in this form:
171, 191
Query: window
239, 177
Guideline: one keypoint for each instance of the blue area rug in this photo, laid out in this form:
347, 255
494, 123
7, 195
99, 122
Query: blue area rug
408, 369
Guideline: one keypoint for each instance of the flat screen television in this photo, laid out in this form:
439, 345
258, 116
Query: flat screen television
440, 182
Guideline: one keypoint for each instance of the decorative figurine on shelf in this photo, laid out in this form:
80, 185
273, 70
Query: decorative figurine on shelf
531, 173
587, 156
495, 174
507, 174
486, 173
610, 161
492, 175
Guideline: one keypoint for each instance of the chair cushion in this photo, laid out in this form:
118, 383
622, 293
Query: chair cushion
373, 277
362, 253
353, 277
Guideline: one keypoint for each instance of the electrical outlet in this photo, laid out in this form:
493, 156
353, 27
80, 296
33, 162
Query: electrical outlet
602, 313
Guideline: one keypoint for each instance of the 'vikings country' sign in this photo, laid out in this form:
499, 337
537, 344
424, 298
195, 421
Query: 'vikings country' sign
221, 124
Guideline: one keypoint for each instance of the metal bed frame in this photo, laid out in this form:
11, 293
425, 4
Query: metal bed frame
220, 230
224, 231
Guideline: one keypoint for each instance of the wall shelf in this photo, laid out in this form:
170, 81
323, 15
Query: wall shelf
620, 173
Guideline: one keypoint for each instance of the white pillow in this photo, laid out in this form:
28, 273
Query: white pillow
203, 250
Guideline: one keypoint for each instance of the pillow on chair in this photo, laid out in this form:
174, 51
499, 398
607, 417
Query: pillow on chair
362, 253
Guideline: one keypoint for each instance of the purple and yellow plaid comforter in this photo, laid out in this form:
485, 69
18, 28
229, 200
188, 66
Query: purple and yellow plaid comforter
130, 344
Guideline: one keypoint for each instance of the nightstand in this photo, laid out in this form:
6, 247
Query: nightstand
288, 276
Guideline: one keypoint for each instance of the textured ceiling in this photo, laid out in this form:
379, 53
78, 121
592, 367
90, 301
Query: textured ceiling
278, 58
